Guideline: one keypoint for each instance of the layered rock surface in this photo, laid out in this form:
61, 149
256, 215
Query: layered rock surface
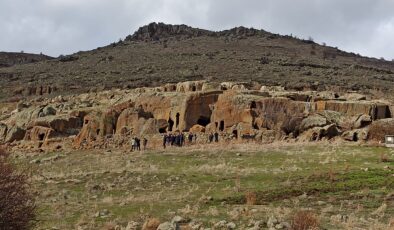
238, 111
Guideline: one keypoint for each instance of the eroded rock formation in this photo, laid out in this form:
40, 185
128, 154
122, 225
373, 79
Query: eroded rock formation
235, 110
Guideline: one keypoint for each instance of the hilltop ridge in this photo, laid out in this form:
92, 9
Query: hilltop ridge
156, 31
8, 59
160, 53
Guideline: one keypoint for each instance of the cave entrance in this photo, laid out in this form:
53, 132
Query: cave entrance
235, 134
177, 120
194, 88
170, 124
253, 105
98, 131
355, 136
41, 136
221, 126
162, 130
203, 121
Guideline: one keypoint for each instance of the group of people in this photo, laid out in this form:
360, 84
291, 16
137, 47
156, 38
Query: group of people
136, 144
172, 139
178, 139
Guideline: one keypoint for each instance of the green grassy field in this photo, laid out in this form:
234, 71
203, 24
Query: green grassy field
345, 186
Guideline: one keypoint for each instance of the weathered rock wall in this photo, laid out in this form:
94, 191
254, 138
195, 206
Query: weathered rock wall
232, 109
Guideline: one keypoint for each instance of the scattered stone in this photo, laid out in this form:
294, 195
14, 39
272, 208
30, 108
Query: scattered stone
151, 224
272, 222
220, 224
321, 203
167, 226
231, 225
102, 214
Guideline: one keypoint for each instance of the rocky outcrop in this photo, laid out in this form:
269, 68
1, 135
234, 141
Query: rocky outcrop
3, 131
319, 133
132, 121
161, 31
15, 133
40, 135
234, 110
356, 135
362, 121
376, 110
313, 121
39, 90
63, 124
8, 59
90, 130
189, 86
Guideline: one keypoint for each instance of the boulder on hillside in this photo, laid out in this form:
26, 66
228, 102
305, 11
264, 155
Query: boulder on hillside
47, 111
313, 121
333, 116
319, 133
362, 121
355, 135
15, 134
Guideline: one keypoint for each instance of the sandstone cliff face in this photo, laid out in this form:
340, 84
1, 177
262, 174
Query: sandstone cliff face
232, 109
376, 110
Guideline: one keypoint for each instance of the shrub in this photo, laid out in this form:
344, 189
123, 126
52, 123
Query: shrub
251, 198
304, 220
17, 208
384, 158
379, 129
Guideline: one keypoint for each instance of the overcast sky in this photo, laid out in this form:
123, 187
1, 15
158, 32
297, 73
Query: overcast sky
57, 27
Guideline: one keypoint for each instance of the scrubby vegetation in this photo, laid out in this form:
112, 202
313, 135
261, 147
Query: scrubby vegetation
158, 55
17, 207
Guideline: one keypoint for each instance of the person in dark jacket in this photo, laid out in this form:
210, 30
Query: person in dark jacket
190, 138
138, 143
144, 143
165, 137
216, 137
182, 141
173, 137
210, 138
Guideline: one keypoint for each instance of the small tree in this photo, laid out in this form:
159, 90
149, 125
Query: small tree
17, 208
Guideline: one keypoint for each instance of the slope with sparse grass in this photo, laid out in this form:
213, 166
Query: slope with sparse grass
160, 53
345, 186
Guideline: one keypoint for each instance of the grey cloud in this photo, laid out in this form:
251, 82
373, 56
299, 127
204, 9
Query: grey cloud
65, 26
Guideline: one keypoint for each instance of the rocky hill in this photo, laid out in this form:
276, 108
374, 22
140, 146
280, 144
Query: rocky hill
8, 59
159, 53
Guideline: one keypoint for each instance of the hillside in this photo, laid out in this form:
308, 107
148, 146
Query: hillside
160, 53
8, 59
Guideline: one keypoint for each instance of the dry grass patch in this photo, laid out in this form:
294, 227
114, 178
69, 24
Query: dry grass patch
305, 220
